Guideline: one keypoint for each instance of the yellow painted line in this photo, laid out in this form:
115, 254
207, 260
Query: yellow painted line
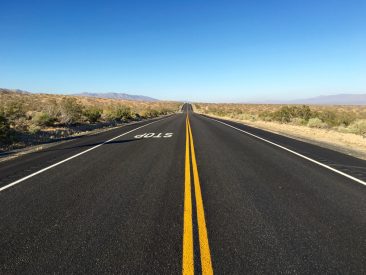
206, 263
188, 261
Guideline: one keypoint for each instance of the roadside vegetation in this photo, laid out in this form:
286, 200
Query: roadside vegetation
27, 119
345, 119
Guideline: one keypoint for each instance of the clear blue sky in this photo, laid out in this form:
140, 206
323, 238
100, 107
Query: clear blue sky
185, 50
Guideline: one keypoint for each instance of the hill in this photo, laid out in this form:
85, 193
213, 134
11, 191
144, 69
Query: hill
340, 99
123, 96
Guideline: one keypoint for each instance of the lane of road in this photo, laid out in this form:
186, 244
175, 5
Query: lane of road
184, 194
269, 211
116, 209
24, 165
344, 163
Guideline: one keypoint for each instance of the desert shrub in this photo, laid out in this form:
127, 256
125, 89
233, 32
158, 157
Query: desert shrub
92, 114
43, 119
328, 117
287, 113
52, 108
333, 118
358, 127
34, 129
305, 112
123, 112
221, 113
283, 115
298, 121
20, 124
164, 111
266, 116
154, 113
345, 118
14, 110
5, 130
70, 110
317, 123
119, 113
151, 113
136, 116
245, 116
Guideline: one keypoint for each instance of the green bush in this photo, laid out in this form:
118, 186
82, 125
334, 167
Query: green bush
164, 111
34, 129
136, 116
287, 113
358, 127
52, 108
43, 119
154, 113
304, 112
92, 114
71, 111
329, 117
14, 110
345, 119
298, 121
245, 116
151, 113
317, 123
266, 116
119, 113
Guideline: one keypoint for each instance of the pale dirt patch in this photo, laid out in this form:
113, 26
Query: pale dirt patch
347, 143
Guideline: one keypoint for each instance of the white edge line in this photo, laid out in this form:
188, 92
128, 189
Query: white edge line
74, 156
293, 152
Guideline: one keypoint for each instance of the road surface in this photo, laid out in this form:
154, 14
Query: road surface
184, 193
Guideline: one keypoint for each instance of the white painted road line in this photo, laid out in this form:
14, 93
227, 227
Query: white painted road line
293, 152
72, 157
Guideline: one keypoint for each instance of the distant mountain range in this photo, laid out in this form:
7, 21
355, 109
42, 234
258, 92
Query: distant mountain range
118, 96
340, 99
100, 95
2, 90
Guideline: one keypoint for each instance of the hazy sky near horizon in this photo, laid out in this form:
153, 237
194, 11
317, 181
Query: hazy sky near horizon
185, 50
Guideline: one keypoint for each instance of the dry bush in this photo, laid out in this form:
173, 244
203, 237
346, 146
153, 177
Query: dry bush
92, 114
358, 127
5, 130
43, 119
317, 123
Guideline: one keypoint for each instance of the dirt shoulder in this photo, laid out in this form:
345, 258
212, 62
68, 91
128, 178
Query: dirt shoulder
347, 143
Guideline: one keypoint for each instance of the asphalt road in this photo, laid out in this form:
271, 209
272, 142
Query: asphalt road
184, 195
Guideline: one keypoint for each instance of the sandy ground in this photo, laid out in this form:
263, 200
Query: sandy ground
350, 144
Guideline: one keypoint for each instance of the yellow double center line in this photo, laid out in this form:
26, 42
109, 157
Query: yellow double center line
188, 252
